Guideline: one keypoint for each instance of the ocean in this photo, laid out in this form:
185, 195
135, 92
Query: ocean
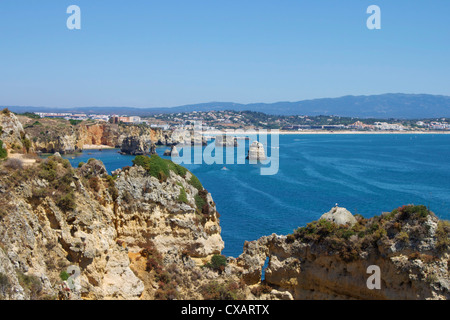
368, 174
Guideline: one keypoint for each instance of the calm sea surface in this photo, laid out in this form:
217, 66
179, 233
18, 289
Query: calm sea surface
367, 174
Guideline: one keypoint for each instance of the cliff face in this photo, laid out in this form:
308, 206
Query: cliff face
98, 134
11, 132
55, 219
58, 135
327, 261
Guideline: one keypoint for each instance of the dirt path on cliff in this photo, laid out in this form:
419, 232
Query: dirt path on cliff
25, 161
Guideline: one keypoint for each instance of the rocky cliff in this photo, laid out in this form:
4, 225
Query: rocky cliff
326, 260
55, 219
12, 133
59, 135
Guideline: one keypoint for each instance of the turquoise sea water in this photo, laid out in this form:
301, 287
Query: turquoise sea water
367, 174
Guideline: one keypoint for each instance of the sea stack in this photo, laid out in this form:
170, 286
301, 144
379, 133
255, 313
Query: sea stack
172, 152
135, 146
256, 151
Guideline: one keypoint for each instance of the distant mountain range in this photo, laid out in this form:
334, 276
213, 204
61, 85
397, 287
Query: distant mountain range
385, 106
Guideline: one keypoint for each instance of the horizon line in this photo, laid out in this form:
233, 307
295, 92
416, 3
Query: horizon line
231, 102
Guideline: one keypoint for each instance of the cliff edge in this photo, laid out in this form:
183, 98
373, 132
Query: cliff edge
326, 260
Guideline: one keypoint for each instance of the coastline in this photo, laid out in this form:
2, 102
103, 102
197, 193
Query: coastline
312, 132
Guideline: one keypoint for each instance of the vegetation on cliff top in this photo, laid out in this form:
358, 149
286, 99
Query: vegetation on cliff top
60, 175
405, 225
158, 167
161, 169
54, 178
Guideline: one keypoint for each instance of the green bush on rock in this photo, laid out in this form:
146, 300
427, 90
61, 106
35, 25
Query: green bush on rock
158, 167
3, 152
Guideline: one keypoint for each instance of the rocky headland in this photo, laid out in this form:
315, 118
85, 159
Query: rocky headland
59, 135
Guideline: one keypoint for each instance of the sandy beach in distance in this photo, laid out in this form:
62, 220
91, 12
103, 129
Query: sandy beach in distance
95, 147
324, 132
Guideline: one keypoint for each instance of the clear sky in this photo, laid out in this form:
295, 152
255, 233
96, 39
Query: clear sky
142, 53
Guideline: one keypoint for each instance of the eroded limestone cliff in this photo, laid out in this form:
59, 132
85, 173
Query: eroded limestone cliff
54, 217
12, 133
59, 135
326, 260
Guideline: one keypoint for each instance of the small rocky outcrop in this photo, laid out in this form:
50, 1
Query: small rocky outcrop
256, 152
135, 146
171, 152
339, 216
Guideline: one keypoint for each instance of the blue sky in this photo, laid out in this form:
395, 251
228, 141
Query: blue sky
145, 53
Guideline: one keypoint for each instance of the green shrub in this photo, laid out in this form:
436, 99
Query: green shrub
167, 291
153, 256
199, 202
3, 152
64, 275
158, 167
346, 233
75, 122
26, 144
31, 284
67, 202
154, 165
48, 169
31, 115
112, 189
290, 238
196, 183
162, 176
410, 212
183, 196
402, 236
218, 263
94, 183
179, 170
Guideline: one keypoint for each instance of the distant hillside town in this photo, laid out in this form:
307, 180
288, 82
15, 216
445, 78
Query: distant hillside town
248, 120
